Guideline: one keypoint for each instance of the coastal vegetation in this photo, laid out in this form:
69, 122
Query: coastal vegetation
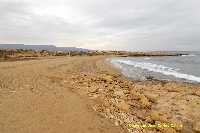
14, 54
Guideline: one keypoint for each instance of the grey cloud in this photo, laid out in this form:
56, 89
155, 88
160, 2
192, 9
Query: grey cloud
125, 25
19, 25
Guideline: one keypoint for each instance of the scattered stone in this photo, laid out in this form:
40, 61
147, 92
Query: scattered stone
106, 85
94, 96
116, 123
117, 87
93, 89
124, 101
119, 93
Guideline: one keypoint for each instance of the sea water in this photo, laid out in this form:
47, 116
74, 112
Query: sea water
178, 68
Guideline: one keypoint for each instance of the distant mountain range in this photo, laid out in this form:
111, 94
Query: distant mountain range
41, 47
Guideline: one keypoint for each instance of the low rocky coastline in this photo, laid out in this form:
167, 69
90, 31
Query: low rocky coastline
149, 102
87, 94
25, 54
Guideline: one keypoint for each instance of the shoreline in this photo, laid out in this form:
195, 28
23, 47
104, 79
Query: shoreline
147, 69
90, 90
122, 76
151, 101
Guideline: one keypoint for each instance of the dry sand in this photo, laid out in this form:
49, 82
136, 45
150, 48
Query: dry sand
36, 97
86, 94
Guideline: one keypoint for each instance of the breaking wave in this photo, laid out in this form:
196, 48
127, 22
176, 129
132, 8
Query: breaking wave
189, 55
160, 69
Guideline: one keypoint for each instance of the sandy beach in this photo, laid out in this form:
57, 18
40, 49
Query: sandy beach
87, 94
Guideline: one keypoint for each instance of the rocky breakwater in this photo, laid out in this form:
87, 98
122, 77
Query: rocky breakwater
142, 54
127, 102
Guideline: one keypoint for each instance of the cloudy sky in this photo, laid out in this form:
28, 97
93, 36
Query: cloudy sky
103, 24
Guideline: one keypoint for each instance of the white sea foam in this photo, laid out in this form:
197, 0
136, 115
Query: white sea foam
160, 69
147, 58
189, 55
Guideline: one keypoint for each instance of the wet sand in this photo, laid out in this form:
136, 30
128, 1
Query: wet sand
87, 94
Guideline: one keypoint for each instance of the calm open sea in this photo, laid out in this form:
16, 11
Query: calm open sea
178, 68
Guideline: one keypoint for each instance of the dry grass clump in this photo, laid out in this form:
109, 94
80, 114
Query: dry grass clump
135, 95
144, 102
158, 116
